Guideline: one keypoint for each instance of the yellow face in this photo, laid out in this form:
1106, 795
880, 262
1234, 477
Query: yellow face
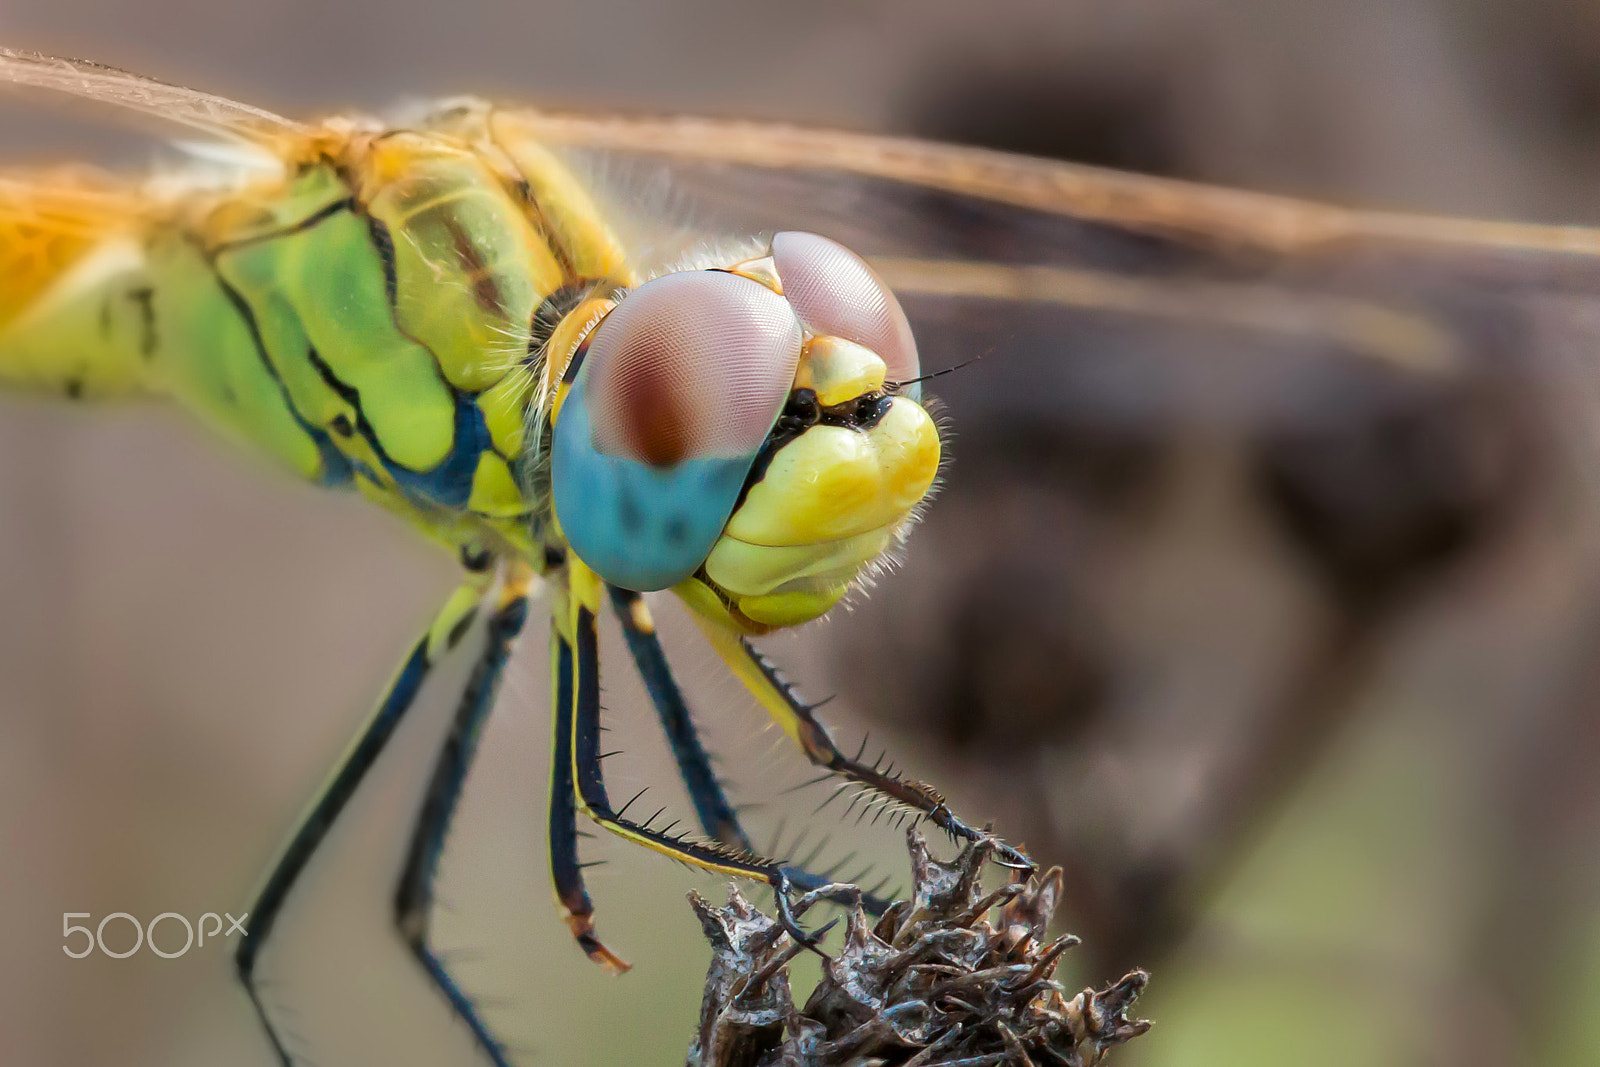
844, 470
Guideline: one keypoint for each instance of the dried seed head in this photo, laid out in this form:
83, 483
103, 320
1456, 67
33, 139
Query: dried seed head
950, 976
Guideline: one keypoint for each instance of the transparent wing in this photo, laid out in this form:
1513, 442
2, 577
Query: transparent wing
1125, 296
1201, 214
173, 104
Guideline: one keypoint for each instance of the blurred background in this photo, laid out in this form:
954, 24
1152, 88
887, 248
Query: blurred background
1297, 681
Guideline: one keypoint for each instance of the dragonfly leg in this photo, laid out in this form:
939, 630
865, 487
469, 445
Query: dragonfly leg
448, 626
715, 812
578, 782
565, 868
796, 718
413, 901
711, 804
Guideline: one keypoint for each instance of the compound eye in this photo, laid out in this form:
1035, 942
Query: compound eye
834, 292
694, 365
680, 386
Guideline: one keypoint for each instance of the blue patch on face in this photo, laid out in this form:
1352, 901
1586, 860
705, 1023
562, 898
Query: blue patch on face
639, 527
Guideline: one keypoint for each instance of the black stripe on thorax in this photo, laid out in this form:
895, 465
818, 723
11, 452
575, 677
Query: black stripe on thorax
383, 244
316, 218
336, 468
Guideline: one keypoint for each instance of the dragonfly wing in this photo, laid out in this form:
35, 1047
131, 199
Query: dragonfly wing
1122, 296
213, 115
1196, 214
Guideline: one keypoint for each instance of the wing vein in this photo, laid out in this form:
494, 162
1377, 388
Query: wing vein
215, 115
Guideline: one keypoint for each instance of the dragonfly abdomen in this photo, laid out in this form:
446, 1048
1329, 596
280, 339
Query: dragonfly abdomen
74, 292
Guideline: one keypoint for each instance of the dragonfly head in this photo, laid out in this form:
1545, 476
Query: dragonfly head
741, 434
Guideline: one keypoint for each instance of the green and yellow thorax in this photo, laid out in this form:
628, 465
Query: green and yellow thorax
374, 315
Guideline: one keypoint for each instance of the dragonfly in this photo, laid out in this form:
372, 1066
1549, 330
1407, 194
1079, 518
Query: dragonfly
439, 313
439, 318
